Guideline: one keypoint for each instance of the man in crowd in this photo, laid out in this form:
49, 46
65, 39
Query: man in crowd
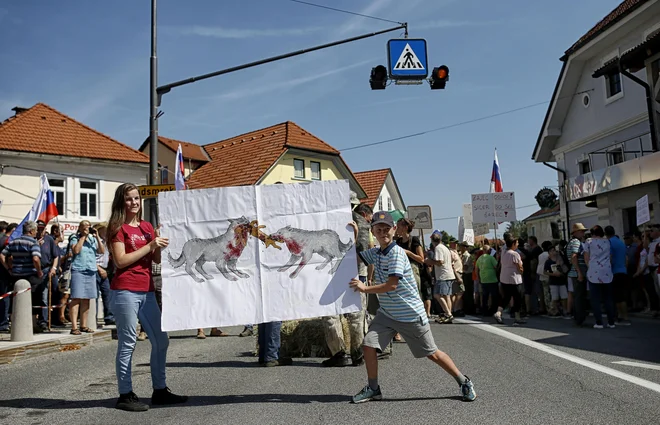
444, 275
577, 276
620, 280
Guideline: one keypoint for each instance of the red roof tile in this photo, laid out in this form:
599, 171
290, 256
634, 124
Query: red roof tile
44, 130
244, 159
190, 150
372, 182
621, 11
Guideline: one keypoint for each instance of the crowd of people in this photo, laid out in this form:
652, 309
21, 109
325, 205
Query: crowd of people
405, 287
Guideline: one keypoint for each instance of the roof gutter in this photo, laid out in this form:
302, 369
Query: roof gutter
649, 104
559, 170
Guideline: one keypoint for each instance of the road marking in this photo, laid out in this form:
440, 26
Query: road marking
636, 364
546, 349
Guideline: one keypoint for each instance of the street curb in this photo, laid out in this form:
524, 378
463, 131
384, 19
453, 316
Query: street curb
34, 349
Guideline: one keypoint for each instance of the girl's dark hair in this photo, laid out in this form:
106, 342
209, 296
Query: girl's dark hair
546, 245
410, 224
597, 231
510, 242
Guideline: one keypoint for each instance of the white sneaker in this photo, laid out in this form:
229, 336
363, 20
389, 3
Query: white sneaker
598, 326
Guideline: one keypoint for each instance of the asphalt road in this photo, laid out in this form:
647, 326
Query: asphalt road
548, 372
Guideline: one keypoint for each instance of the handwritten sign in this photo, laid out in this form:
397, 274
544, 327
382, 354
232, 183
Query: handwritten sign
643, 213
468, 236
480, 229
493, 207
467, 215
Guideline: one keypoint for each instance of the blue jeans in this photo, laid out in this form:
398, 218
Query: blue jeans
128, 307
103, 286
269, 341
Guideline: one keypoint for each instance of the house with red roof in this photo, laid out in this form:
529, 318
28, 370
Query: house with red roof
382, 191
194, 156
282, 153
601, 127
83, 165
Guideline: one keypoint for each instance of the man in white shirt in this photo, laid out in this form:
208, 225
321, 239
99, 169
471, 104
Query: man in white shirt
444, 275
651, 259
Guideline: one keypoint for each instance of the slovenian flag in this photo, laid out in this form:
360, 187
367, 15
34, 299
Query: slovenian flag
44, 208
496, 177
179, 181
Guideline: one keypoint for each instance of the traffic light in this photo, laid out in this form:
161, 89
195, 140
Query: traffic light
439, 77
378, 79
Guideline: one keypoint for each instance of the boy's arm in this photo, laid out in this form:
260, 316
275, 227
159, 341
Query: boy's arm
390, 285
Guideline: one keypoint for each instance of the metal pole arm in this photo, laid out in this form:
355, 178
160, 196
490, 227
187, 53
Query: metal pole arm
167, 87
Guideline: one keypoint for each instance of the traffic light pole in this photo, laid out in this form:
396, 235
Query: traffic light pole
167, 87
157, 92
153, 118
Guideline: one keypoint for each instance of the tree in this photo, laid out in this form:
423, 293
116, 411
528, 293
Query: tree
517, 229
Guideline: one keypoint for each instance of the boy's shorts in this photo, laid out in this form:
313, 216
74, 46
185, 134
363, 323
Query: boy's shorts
418, 336
443, 287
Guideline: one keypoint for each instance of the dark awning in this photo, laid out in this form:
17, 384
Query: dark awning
633, 59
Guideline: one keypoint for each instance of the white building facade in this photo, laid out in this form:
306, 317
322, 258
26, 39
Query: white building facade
597, 129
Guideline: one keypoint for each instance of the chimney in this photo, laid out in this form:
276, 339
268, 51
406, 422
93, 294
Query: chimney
18, 109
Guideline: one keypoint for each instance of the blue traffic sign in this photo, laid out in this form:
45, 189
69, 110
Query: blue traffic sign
407, 59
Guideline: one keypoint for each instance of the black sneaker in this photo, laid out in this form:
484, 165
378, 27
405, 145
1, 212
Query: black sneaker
131, 403
338, 360
165, 396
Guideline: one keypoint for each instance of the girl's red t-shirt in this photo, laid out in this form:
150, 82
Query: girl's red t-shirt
136, 277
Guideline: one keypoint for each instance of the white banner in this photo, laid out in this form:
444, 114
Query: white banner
467, 216
255, 254
468, 236
643, 212
496, 207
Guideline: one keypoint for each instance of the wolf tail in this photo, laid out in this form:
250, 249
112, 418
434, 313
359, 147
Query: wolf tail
344, 247
176, 262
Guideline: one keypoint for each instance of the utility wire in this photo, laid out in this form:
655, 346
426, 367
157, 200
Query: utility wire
346, 11
421, 133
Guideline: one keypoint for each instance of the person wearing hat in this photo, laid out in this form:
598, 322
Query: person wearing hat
401, 311
577, 275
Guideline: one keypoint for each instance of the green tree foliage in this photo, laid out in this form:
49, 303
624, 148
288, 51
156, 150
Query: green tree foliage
517, 229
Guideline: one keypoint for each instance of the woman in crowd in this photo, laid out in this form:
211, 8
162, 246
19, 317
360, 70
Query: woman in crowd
134, 245
599, 275
511, 279
84, 245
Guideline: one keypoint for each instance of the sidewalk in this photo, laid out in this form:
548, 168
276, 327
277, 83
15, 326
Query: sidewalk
56, 341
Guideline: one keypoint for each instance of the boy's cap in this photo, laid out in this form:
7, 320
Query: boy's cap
382, 217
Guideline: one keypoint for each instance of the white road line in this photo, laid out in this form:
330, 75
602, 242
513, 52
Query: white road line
546, 349
637, 364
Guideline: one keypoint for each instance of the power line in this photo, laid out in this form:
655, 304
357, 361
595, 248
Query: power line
499, 114
346, 11
421, 133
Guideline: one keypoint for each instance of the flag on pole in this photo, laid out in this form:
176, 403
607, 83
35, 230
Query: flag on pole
179, 181
44, 208
496, 177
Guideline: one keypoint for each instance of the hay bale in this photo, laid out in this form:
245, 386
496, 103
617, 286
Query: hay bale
306, 338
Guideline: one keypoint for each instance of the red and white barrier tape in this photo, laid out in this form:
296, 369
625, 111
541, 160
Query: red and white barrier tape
14, 293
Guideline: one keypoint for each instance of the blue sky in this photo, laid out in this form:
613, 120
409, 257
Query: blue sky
90, 60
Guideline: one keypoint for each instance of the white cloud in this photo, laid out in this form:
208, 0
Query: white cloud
251, 90
357, 22
235, 33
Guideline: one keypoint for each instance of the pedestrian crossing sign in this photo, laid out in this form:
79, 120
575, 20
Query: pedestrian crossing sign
407, 59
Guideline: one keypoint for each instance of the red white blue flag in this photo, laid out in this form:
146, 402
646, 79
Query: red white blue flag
179, 181
496, 177
44, 208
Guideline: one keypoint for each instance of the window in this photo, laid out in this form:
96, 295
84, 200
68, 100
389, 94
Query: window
316, 170
533, 231
380, 203
615, 157
59, 192
554, 227
585, 167
613, 81
164, 175
299, 168
389, 204
88, 198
